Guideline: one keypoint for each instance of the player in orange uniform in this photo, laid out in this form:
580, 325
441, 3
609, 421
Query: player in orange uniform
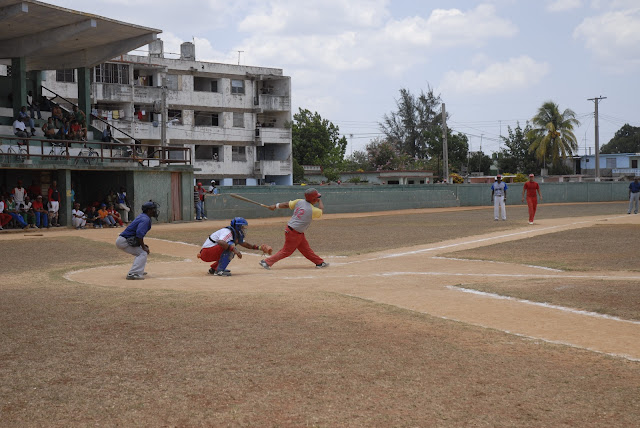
531, 187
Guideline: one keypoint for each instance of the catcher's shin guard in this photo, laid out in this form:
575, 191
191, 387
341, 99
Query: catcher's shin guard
225, 259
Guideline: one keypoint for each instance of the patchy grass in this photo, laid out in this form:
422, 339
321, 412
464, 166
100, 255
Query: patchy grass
90, 356
601, 247
349, 236
615, 298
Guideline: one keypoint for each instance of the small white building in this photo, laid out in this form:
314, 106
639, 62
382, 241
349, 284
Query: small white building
235, 118
612, 165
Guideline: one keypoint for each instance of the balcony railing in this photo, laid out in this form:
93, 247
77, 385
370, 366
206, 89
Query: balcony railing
15, 151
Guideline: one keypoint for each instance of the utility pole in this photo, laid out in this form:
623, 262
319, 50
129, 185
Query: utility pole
351, 138
445, 149
239, 52
596, 100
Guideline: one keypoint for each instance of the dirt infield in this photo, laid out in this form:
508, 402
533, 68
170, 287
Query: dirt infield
380, 338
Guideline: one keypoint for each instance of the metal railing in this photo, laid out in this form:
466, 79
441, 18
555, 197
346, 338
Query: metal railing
16, 150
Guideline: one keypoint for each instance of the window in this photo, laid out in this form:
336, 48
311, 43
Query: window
393, 182
174, 117
634, 163
112, 73
239, 154
206, 118
67, 75
237, 86
238, 120
611, 163
207, 152
239, 181
202, 84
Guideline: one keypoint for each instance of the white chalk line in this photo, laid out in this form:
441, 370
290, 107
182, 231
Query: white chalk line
555, 342
493, 261
541, 304
475, 241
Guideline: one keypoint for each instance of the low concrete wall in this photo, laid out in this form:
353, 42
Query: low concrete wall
365, 198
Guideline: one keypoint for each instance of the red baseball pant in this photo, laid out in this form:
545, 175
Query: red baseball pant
533, 205
294, 241
211, 254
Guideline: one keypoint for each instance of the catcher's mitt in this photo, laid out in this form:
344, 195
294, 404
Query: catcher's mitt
266, 249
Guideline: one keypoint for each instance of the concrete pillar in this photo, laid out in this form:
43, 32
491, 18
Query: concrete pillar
84, 92
18, 83
64, 186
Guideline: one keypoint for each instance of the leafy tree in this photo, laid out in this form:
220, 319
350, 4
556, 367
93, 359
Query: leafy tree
298, 172
458, 148
552, 134
415, 126
383, 155
626, 140
516, 156
479, 162
316, 141
359, 160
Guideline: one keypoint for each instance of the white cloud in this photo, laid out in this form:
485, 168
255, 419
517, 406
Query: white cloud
517, 73
563, 5
613, 38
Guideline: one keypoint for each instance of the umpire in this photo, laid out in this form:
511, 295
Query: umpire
131, 240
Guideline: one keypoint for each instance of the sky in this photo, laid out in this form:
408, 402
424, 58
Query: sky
493, 62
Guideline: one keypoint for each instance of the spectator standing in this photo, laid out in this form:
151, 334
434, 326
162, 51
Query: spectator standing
304, 210
42, 215
33, 105
19, 193
201, 193
531, 187
499, 198
78, 218
111, 197
196, 202
131, 240
122, 203
54, 204
634, 194
24, 116
213, 189
4, 217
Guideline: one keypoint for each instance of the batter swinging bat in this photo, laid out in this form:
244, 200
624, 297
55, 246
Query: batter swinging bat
242, 198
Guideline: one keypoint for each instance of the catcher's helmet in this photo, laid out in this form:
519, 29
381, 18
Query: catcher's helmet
312, 195
239, 224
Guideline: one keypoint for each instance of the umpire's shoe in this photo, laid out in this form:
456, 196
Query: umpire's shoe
134, 276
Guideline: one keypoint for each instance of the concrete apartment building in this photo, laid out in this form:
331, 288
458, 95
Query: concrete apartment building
234, 118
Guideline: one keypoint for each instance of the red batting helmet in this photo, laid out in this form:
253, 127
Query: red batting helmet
312, 195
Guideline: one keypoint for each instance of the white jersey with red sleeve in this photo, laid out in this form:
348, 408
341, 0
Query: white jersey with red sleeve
223, 234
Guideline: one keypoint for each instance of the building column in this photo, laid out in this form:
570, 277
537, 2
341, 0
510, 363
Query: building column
84, 92
64, 186
18, 84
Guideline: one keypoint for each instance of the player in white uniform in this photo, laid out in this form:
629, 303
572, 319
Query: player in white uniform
499, 197
303, 212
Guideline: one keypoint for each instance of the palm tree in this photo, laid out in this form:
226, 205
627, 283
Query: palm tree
552, 134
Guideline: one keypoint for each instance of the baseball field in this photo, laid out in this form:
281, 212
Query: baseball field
434, 317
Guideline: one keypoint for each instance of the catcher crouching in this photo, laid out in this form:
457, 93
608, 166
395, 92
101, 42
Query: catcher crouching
220, 246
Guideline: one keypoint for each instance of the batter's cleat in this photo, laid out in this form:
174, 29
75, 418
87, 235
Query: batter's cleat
264, 264
135, 276
530, 222
322, 265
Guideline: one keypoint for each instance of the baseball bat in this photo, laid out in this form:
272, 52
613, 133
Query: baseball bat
242, 198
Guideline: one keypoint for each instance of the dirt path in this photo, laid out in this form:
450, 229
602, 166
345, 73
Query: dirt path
415, 278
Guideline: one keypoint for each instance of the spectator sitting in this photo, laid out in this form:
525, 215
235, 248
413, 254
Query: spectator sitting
4, 217
105, 218
93, 217
26, 210
20, 129
63, 131
111, 197
79, 116
78, 218
33, 105
49, 129
115, 214
46, 104
12, 210
106, 135
77, 132
22, 114
56, 114
42, 215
